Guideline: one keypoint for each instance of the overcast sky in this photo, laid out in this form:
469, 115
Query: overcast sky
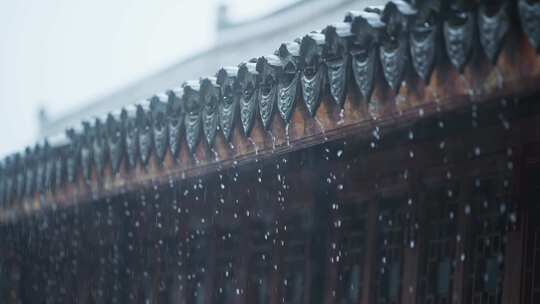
59, 54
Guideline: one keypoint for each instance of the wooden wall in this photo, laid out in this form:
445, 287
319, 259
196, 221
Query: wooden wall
435, 212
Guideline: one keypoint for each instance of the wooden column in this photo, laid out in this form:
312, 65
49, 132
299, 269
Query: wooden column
412, 250
370, 260
518, 273
209, 198
276, 276
463, 230
245, 251
330, 288
317, 278
277, 262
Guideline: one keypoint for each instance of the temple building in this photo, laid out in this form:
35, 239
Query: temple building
390, 157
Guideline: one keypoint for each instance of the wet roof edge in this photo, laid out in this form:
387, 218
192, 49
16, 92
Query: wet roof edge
327, 85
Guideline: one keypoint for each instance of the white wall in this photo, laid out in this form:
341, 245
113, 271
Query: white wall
63, 53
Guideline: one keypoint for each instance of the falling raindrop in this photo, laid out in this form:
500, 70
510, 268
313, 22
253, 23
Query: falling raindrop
216, 154
477, 183
477, 151
509, 151
273, 140
254, 145
442, 145
341, 117
502, 208
467, 209
321, 127
513, 217
376, 134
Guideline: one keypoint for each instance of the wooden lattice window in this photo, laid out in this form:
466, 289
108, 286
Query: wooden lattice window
487, 247
532, 233
294, 260
196, 268
260, 268
534, 266
390, 245
227, 286
350, 252
436, 268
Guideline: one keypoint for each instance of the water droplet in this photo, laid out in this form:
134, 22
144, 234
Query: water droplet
513, 217
502, 208
477, 182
